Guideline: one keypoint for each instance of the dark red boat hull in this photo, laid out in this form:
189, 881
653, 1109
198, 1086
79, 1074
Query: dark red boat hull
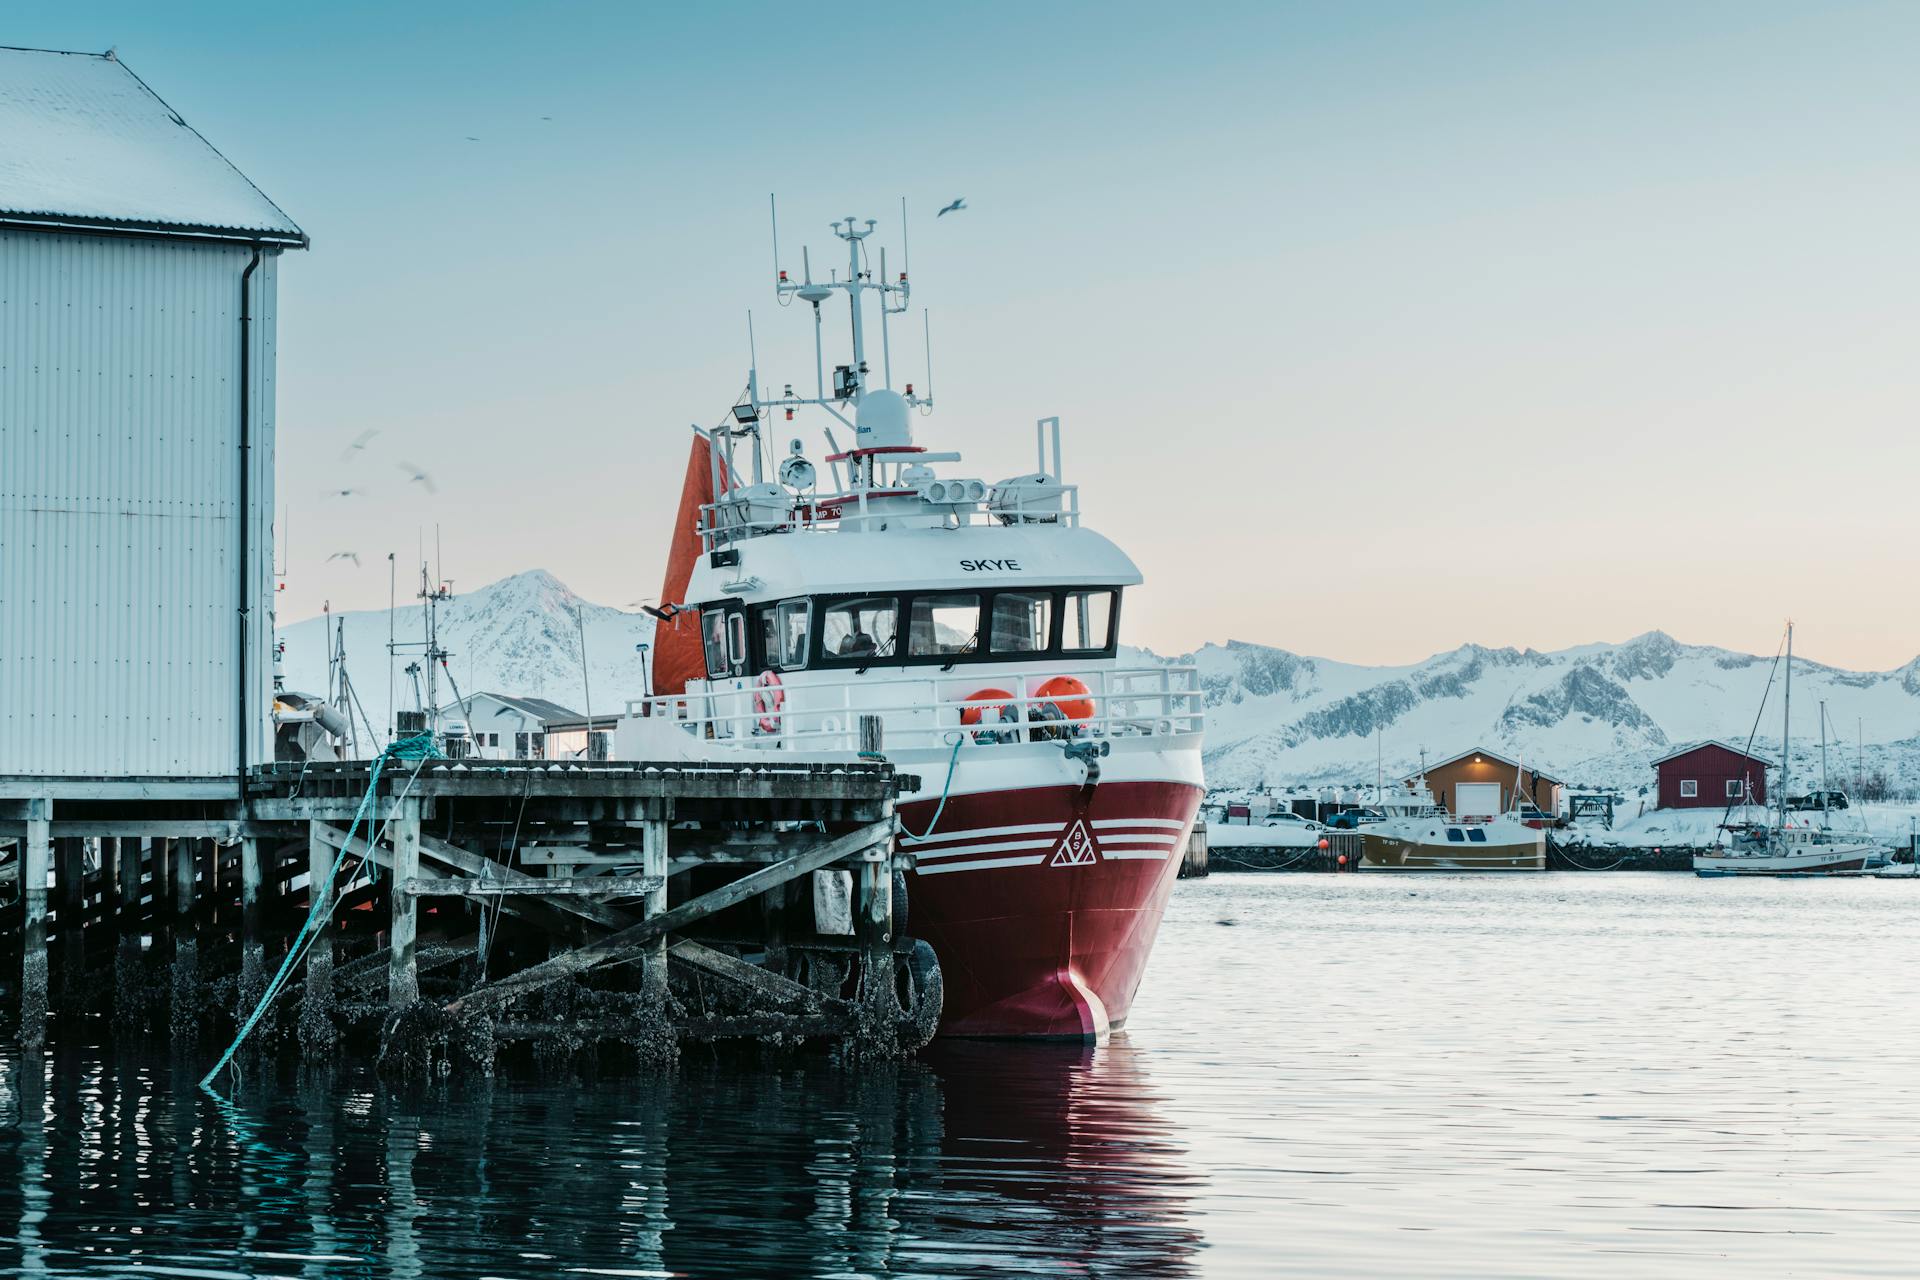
1043, 903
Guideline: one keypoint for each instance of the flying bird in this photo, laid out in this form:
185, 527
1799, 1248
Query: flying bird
345, 555
416, 476
343, 493
471, 138
359, 443
958, 204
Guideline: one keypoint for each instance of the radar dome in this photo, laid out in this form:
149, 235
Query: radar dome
882, 421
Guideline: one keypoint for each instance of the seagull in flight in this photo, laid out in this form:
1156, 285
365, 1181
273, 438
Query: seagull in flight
359, 443
416, 476
959, 203
344, 493
345, 555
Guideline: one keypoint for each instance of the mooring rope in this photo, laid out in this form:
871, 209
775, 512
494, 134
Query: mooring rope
418, 748
946, 789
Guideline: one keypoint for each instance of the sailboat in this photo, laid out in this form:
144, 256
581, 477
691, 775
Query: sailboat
1788, 846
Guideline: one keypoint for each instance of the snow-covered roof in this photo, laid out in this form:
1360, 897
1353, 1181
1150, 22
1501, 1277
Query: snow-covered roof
1494, 756
84, 143
537, 708
1689, 748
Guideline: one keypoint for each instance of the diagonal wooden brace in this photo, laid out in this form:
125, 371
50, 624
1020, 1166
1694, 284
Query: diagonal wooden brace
629, 941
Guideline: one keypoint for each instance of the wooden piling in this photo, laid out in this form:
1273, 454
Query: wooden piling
129, 978
873, 929
403, 977
70, 881
316, 1010
35, 853
253, 944
654, 865
184, 1007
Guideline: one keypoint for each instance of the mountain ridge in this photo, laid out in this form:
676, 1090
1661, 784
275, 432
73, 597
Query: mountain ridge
1592, 713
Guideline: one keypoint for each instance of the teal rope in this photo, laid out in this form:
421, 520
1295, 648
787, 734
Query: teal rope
946, 789
418, 747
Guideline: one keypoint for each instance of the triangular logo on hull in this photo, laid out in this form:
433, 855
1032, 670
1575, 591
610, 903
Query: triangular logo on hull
1077, 848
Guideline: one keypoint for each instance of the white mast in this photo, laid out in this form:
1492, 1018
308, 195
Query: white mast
1786, 721
1824, 819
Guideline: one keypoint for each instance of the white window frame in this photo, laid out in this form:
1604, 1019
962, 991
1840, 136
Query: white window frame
1736, 788
1689, 788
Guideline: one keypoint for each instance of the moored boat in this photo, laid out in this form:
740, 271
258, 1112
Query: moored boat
1415, 834
1788, 847
971, 632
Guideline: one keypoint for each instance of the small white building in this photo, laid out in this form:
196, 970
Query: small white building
138, 283
497, 726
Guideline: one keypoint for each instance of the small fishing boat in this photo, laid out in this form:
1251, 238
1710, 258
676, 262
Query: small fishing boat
1416, 834
1795, 846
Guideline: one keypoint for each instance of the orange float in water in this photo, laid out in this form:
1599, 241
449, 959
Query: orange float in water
982, 700
1070, 694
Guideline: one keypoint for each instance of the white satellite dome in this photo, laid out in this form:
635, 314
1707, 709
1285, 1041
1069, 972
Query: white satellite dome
883, 421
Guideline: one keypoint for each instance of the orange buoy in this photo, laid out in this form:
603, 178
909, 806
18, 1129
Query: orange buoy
982, 700
1070, 694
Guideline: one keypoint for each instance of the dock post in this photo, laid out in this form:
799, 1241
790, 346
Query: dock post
874, 927
403, 975
70, 878
185, 1005
253, 945
316, 1010
129, 984
653, 859
34, 857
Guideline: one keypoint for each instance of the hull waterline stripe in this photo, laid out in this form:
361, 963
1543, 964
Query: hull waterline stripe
1100, 824
981, 833
1005, 846
1035, 860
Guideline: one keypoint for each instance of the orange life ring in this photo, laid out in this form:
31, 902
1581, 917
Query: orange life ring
768, 698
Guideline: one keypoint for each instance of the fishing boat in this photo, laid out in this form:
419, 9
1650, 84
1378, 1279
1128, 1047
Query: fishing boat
1416, 834
881, 601
1793, 844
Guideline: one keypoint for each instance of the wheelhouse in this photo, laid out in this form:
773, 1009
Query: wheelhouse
938, 628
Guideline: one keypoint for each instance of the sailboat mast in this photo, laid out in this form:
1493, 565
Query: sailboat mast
1823, 762
1786, 721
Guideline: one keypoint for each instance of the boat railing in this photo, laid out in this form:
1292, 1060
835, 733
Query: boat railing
933, 712
732, 518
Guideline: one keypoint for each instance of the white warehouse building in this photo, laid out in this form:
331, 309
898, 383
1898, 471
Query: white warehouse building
138, 273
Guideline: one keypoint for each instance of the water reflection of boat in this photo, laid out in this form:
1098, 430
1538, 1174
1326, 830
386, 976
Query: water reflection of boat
1058, 1158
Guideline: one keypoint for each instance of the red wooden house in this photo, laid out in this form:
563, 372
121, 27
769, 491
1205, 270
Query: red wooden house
1710, 775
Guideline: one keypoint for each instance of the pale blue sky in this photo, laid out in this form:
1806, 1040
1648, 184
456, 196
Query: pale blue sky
1376, 328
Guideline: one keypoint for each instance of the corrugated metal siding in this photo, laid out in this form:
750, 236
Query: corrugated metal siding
119, 368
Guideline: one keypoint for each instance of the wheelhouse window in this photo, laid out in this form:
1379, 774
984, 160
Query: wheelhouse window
943, 625
736, 640
1022, 622
713, 637
862, 628
782, 633
1089, 621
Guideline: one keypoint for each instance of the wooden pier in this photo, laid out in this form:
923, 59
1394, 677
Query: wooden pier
608, 907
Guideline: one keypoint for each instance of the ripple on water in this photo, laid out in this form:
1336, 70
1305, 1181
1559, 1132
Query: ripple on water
1358, 1075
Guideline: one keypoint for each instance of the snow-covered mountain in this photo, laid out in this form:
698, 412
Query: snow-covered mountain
1593, 714
520, 635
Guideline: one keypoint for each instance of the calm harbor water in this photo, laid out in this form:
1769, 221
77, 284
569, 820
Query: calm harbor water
1559, 1075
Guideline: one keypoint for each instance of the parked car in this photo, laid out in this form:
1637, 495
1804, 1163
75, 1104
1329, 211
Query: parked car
1282, 818
1834, 801
1353, 819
